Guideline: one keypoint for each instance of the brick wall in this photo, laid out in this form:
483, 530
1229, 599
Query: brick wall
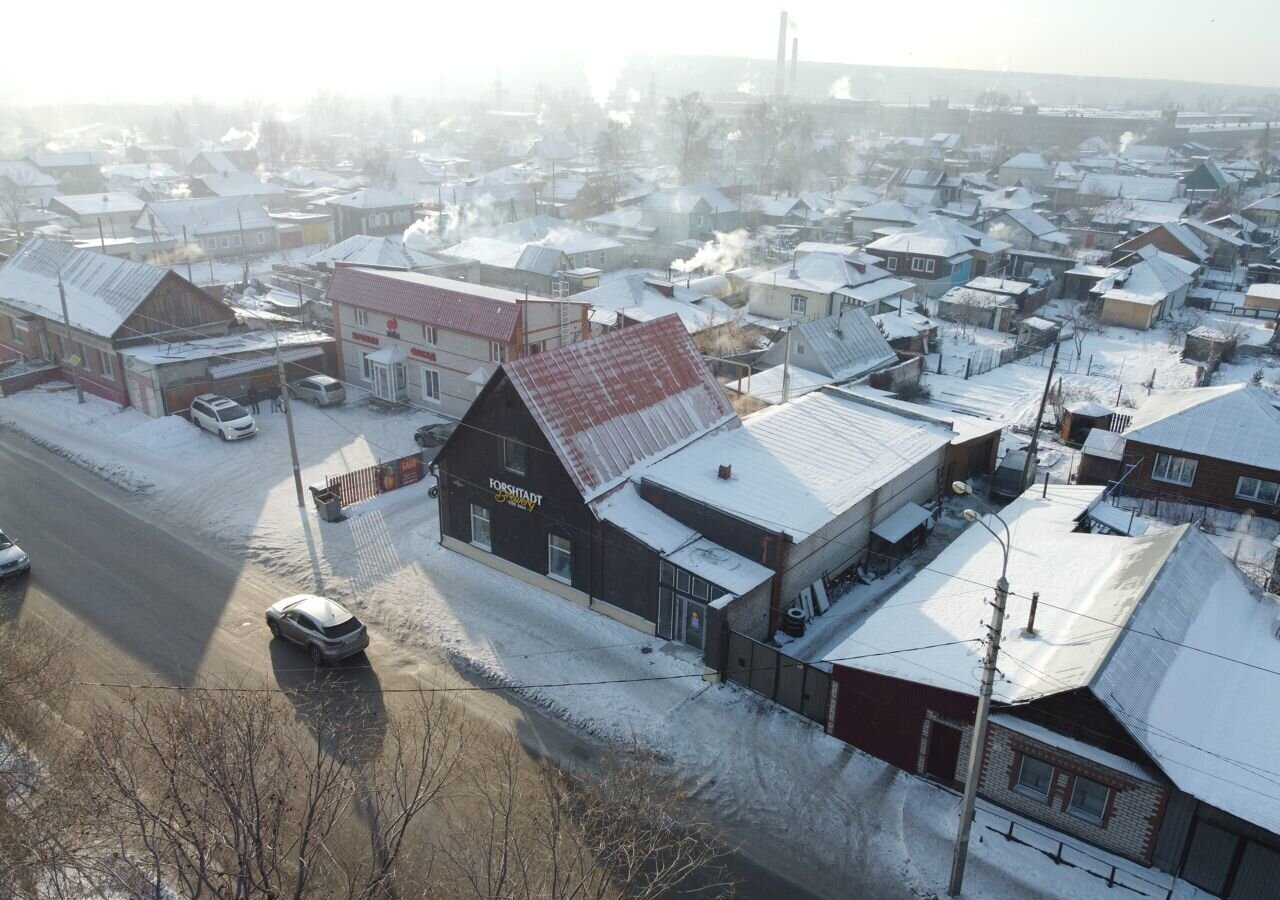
1133, 815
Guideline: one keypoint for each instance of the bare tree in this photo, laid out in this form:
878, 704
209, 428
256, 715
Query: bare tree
17, 190
622, 834
690, 123
614, 152
1083, 322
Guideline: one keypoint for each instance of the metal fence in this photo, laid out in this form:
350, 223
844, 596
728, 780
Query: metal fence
798, 686
369, 482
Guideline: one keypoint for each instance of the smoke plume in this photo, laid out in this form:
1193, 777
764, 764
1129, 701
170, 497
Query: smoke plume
723, 253
839, 89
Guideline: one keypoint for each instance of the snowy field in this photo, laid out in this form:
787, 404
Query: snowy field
791, 795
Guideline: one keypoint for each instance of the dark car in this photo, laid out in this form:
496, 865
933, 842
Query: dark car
434, 435
319, 625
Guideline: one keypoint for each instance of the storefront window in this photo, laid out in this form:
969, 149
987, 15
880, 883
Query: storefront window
480, 531
682, 604
560, 558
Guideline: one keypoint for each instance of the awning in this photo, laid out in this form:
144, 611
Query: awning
258, 363
387, 355
902, 523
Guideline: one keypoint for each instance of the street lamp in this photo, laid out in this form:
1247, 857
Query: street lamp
984, 692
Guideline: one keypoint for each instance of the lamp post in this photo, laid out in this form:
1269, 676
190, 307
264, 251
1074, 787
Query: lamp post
979, 738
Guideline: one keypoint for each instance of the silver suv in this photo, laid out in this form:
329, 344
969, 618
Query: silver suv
324, 628
319, 389
225, 418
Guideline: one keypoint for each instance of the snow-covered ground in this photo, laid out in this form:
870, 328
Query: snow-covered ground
796, 798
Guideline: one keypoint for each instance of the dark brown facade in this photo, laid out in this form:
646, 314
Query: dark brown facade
1214, 483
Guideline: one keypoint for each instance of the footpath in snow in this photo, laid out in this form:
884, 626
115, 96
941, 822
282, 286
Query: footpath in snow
795, 798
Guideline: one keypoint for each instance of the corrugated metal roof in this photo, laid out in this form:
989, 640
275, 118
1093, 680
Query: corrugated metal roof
1234, 422
258, 363
610, 404
452, 305
102, 291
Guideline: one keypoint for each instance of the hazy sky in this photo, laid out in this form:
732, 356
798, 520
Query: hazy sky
285, 50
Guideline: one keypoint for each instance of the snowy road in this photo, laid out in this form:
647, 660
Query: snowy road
146, 604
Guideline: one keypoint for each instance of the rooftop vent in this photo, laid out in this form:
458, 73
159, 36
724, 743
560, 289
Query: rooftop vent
725, 472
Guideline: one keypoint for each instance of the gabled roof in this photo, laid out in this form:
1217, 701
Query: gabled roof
484, 312
69, 160
1026, 160
102, 291
237, 184
686, 199
203, 215
824, 272
1010, 198
372, 198
936, 236
1035, 224
540, 260
379, 252
612, 404
886, 211
1133, 187
103, 203
641, 298
25, 175
1178, 232
1234, 422
843, 346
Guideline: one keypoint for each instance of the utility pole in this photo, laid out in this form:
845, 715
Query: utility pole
66, 323
288, 421
979, 737
244, 248
186, 251
1029, 467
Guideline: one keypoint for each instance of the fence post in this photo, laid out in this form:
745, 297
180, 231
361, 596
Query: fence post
1111, 879
968, 366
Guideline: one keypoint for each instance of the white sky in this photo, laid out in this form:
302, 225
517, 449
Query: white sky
284, 50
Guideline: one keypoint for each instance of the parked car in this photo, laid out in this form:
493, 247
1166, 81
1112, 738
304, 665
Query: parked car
319, 625
434, 435
319, 389
12, 559
225, 418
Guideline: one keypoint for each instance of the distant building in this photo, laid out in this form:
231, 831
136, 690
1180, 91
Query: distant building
219, 226
371, 211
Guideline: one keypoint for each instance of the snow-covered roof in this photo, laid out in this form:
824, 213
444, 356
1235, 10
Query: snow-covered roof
1234, 422
936, 236
886, 211
1086, 578
779, 482
907, 324
1026, 160
767, 385
1011, 198
1008, 286
237, 184
203, 215
624, 508
722, 567
642, 298
378, 252
1033, 222
102, 291
824, 272
610, 405
1133, 187
910, 517
372, 198
1264, 291
967, 296
25, 175
874, 291
843, 346
104, 203
540, 260
686, 199
1103, 444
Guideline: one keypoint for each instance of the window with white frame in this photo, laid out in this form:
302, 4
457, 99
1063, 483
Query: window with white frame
891, 263
1257, 489
1174, 469
799, 303
429, 334
20, 331
922, 265
1035, 778
497, 352
481, 533
1088, 799
430, 384
560, 558
105, 366
361, 316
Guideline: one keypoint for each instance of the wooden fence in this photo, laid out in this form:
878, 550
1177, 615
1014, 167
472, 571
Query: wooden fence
369, 482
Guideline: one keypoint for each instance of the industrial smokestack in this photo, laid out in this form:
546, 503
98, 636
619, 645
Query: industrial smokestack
795, 55
782, 54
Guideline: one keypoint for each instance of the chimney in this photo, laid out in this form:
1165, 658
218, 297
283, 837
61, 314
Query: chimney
725, 472
1031, 617
795, 55
782, 54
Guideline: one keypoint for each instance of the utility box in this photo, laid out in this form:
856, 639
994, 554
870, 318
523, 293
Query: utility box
328, 506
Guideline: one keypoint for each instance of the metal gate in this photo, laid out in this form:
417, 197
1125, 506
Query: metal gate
796, 685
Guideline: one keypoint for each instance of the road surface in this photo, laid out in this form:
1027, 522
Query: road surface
146, 603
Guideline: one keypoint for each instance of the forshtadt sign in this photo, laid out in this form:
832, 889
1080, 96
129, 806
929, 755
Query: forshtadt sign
516, 496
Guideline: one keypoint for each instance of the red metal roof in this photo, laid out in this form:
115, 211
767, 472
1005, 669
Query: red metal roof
451, 305
610, 404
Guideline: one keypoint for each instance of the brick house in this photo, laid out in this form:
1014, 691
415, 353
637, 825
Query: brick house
1216, 446
434, 342
938, 254
1143, 746
1170, 237
111, 304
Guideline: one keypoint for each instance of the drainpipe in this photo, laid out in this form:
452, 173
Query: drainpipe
779, 569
